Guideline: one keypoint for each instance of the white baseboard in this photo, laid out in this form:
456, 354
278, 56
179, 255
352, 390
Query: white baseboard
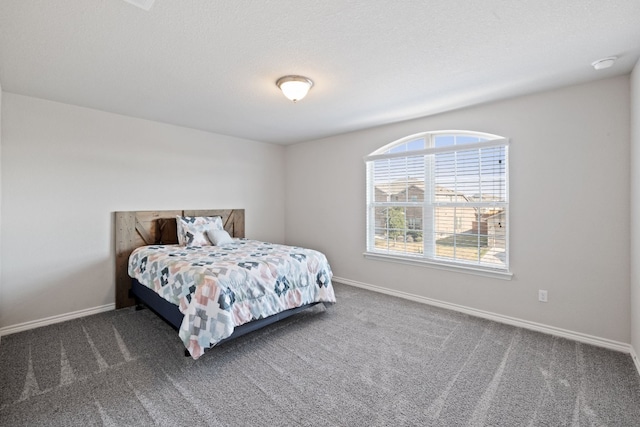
636, 361
539, 327
8, 330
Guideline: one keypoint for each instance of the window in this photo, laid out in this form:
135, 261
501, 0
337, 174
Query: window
442, 198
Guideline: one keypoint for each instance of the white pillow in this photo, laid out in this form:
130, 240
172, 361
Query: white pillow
192, 229
219, 237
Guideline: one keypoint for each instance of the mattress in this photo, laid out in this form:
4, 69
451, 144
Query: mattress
220, 287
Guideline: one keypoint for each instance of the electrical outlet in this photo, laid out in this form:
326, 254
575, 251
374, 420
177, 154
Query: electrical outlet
542, 295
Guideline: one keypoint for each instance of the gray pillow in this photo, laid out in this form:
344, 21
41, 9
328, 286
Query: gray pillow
219, 237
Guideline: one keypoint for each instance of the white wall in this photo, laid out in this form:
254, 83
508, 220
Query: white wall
635, 209
66, 169
1, 193
569, 208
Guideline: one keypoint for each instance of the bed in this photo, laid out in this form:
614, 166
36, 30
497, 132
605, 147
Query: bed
213, 293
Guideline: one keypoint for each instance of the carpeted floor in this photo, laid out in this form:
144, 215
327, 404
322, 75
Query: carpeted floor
370, 360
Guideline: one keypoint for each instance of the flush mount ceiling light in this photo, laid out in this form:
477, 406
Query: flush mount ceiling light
294, 87
603, 63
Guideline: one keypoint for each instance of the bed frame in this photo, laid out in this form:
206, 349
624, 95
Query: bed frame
139, 228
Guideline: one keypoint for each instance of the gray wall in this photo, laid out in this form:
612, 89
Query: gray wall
569, 208
1, 119
635, 209
65, 169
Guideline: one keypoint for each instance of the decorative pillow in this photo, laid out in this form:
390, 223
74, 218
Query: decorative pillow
219, 237
192, 229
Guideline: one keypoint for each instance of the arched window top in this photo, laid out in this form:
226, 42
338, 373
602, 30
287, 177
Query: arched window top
436, 139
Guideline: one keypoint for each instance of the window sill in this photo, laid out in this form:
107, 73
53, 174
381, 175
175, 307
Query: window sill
478, 271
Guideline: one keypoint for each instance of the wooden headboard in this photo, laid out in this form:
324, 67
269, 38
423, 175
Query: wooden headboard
140, 228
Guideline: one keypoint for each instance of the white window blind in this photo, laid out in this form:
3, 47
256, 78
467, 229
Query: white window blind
440, 196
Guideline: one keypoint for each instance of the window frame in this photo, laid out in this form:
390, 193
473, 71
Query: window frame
428, 203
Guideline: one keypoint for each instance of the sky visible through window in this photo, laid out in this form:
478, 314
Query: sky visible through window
440, 197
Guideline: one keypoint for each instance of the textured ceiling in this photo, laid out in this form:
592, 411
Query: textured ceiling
212, 65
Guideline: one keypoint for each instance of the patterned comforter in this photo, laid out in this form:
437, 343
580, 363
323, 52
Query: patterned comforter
220, 287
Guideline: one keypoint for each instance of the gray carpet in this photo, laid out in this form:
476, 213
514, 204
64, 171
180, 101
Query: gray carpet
370, 360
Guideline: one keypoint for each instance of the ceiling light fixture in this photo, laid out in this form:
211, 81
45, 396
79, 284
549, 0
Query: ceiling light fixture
142, 4
603, 63
294, 87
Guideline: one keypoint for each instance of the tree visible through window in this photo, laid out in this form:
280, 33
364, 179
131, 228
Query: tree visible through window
440, 196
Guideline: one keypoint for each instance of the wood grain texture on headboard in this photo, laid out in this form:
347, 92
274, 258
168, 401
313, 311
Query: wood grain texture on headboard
139, 228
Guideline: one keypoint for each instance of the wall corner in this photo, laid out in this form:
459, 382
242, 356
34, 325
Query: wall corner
635, 211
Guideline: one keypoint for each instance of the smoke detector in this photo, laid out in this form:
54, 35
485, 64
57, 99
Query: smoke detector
142, 4
603, 63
